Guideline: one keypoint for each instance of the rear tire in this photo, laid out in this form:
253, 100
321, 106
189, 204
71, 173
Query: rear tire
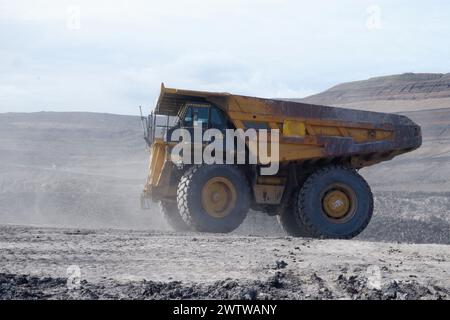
213, 198
173, 217
289, 218
335, 202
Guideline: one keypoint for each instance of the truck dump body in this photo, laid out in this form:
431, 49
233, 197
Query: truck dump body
309, 131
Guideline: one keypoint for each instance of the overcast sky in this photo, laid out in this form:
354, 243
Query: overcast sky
111, 56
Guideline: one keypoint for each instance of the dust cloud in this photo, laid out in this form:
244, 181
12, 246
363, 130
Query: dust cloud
86, 170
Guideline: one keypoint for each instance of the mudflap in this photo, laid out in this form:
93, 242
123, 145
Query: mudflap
146, 202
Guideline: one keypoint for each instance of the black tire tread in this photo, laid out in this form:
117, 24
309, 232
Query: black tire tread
182, 198
182, 193
173, 217
287, 218
309, 227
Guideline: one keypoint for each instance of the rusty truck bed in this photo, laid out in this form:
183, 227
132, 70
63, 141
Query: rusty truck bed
310, 131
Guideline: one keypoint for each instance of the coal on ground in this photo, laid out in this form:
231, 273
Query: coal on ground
278, 286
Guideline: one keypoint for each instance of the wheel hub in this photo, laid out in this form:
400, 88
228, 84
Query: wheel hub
218, 197
336, 204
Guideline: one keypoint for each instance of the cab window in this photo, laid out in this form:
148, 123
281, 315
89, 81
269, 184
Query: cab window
196, 116
209, 117
187, 121
200, 116
218, 119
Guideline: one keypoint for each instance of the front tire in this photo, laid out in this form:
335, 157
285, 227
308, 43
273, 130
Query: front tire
213, 198
335, 202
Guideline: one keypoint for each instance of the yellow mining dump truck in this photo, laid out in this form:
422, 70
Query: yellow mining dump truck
316, 191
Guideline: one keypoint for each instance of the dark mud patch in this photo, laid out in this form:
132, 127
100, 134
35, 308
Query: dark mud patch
78, 232
279, 286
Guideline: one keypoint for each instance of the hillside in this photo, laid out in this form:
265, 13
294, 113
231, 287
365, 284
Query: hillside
395, 93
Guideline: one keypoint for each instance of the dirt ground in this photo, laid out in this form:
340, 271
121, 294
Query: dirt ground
39, 263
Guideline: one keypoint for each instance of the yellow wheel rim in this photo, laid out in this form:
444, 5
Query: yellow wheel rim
339, 202
336, 204
219, 197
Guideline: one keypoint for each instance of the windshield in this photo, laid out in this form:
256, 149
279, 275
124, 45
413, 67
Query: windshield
196, 116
